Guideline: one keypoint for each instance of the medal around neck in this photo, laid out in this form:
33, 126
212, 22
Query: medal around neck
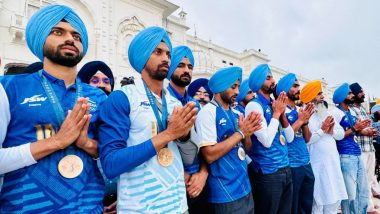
241, 153
165, 157
282, 140
70, 166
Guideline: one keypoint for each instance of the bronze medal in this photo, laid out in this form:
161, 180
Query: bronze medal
165, 157
282, 140
241, 153
70, 166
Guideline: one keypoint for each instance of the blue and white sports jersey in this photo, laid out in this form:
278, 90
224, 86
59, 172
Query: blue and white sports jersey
228, 177
268, 160
240, 108
126, 149
297, 149
348, 145
40, 188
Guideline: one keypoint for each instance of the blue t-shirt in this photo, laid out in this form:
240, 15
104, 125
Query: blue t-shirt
40, 188
240, 108
297, 149
228, 177
348, 145
268, 160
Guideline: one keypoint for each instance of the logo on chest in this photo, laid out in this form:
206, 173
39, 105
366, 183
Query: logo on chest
223, 122
145, 104
35, 100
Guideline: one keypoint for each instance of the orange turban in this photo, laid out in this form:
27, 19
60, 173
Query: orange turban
310, 91
377, 101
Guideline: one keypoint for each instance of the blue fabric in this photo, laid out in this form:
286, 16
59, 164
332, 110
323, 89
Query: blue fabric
224, 78
143, 45
285, 83
41, 23
114, 123
196, 84
268, 160
375, 108
355, 88
178, 54
303, 189
348, 145
240, 108
355, 178
258, 77
40, 188
297, 149
228, 176
243, 91
341, 93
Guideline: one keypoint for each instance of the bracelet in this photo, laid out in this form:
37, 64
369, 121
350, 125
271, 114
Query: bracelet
241, 133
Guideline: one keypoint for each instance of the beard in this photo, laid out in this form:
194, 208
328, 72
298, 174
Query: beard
229, 100
348, 101
270, 89
294, 97
321, 110
105, 90
359, 99
179, 80
159, 73
67, 59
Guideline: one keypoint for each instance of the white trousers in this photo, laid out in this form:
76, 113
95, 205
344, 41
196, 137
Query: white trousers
325, 209
369, 160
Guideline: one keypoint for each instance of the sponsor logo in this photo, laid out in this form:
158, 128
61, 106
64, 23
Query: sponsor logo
35, 100
223, 121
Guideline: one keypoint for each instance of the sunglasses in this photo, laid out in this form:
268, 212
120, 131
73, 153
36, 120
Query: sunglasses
96, 80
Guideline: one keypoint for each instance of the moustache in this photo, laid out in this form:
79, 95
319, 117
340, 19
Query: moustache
185, 75
67, 44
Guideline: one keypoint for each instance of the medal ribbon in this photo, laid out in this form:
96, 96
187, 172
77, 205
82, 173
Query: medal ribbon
58, 110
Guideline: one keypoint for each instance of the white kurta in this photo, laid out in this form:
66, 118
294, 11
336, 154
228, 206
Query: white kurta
329, 185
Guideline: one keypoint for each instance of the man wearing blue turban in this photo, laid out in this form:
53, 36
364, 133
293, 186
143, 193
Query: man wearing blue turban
138, 126
224, 141
199, 90
352, 165
299, 158
53, 122
269, 153
244, 97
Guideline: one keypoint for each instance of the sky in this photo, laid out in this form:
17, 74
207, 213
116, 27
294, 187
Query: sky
336, 40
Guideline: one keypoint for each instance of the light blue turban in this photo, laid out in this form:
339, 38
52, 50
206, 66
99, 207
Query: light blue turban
41, 23
243, 91
224, 78
178, 54
341, 93
285, 83
143, 45
258, 77
375, 108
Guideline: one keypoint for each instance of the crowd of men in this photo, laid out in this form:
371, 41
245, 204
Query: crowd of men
73, 144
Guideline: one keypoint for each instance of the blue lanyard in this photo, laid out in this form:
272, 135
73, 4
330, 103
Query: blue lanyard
234, 122
161, 121
58, 110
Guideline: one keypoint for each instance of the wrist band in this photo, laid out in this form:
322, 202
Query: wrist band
241, 133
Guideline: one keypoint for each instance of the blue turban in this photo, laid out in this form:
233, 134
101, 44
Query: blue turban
196, 85
41, 23
90, 69
143, 45
375, 108
341, 93
243, 91
285, 83
224, 78
178, 54
258, 77
355, 88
